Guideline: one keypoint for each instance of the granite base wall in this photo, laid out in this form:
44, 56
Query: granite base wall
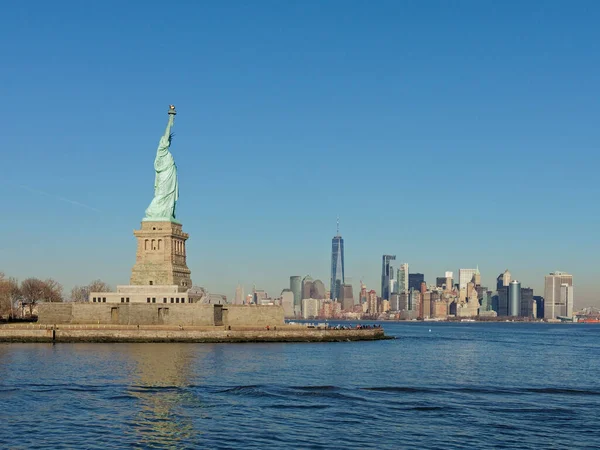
253, 315
192, 314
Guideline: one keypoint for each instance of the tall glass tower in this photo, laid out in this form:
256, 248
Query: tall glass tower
337, 264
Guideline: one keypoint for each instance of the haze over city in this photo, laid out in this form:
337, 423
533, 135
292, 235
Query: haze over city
451, 136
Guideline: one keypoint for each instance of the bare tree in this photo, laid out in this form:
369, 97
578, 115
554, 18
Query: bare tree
82, 293
52, 291
34, 290
5, 295
99, 286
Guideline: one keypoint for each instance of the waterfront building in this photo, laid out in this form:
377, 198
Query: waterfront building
372, 302
307, 287
402, 278
503, 301
239, 295
558, 301
387, 274
465, 276
449, 280
439, 305
514, 298
415, 280
337, 264
528, 306
318, 290
326, 309
347, 298
385, 306
310, 308
539, 306
259, 296
363, 293
337, 310
444, 282
503, 279
483, 298
287, 301
296, 288
425, 312
414, 301
395, 302
566, 294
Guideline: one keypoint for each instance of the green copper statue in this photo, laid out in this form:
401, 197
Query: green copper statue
166, 187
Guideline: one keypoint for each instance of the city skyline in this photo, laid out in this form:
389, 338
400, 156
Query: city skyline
318, 118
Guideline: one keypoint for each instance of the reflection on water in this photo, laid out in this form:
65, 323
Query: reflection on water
158, 377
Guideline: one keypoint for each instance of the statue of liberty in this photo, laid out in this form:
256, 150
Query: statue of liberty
166, 187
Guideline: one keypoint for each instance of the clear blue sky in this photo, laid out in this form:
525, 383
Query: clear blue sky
448, 133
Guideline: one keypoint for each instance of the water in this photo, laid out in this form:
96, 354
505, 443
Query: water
463, 385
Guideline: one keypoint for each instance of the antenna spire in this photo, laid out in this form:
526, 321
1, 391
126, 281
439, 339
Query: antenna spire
338, 225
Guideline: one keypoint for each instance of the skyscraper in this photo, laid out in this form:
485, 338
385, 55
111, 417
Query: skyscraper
402, 278
296, 288
337, 264
558, 299
503, 279
514, 298
387, 274
239, 295
307, 287
527, 303
415, 280
347, 297
318, 290
465, 276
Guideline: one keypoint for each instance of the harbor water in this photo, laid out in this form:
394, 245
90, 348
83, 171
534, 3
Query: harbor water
438, 385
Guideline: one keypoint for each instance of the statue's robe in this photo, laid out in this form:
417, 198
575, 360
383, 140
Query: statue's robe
166, 187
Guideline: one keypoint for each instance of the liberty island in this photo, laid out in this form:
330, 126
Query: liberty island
160, 303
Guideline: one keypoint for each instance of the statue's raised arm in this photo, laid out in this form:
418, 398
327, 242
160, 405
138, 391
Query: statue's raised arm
166, 187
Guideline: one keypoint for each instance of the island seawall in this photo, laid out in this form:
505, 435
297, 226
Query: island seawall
157, 333
165, 322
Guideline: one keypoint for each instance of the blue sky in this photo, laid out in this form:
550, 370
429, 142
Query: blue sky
448, 133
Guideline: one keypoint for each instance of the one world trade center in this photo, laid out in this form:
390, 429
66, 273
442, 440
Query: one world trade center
337, 264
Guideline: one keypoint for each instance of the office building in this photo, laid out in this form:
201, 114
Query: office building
318, 290
372, 302
528, 305
415, 280
465, 276
558, 298
296, 288
503, 279
566, 294
239, 295
502, 302
539, 306
514, 298
363, 293
347, 297
387, 274
287, 301
310, 308
337, 264
307, 287
402, 278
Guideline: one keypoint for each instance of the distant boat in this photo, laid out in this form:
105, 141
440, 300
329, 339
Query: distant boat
467, 320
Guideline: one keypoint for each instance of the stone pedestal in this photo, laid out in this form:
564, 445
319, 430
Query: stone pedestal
161, 256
